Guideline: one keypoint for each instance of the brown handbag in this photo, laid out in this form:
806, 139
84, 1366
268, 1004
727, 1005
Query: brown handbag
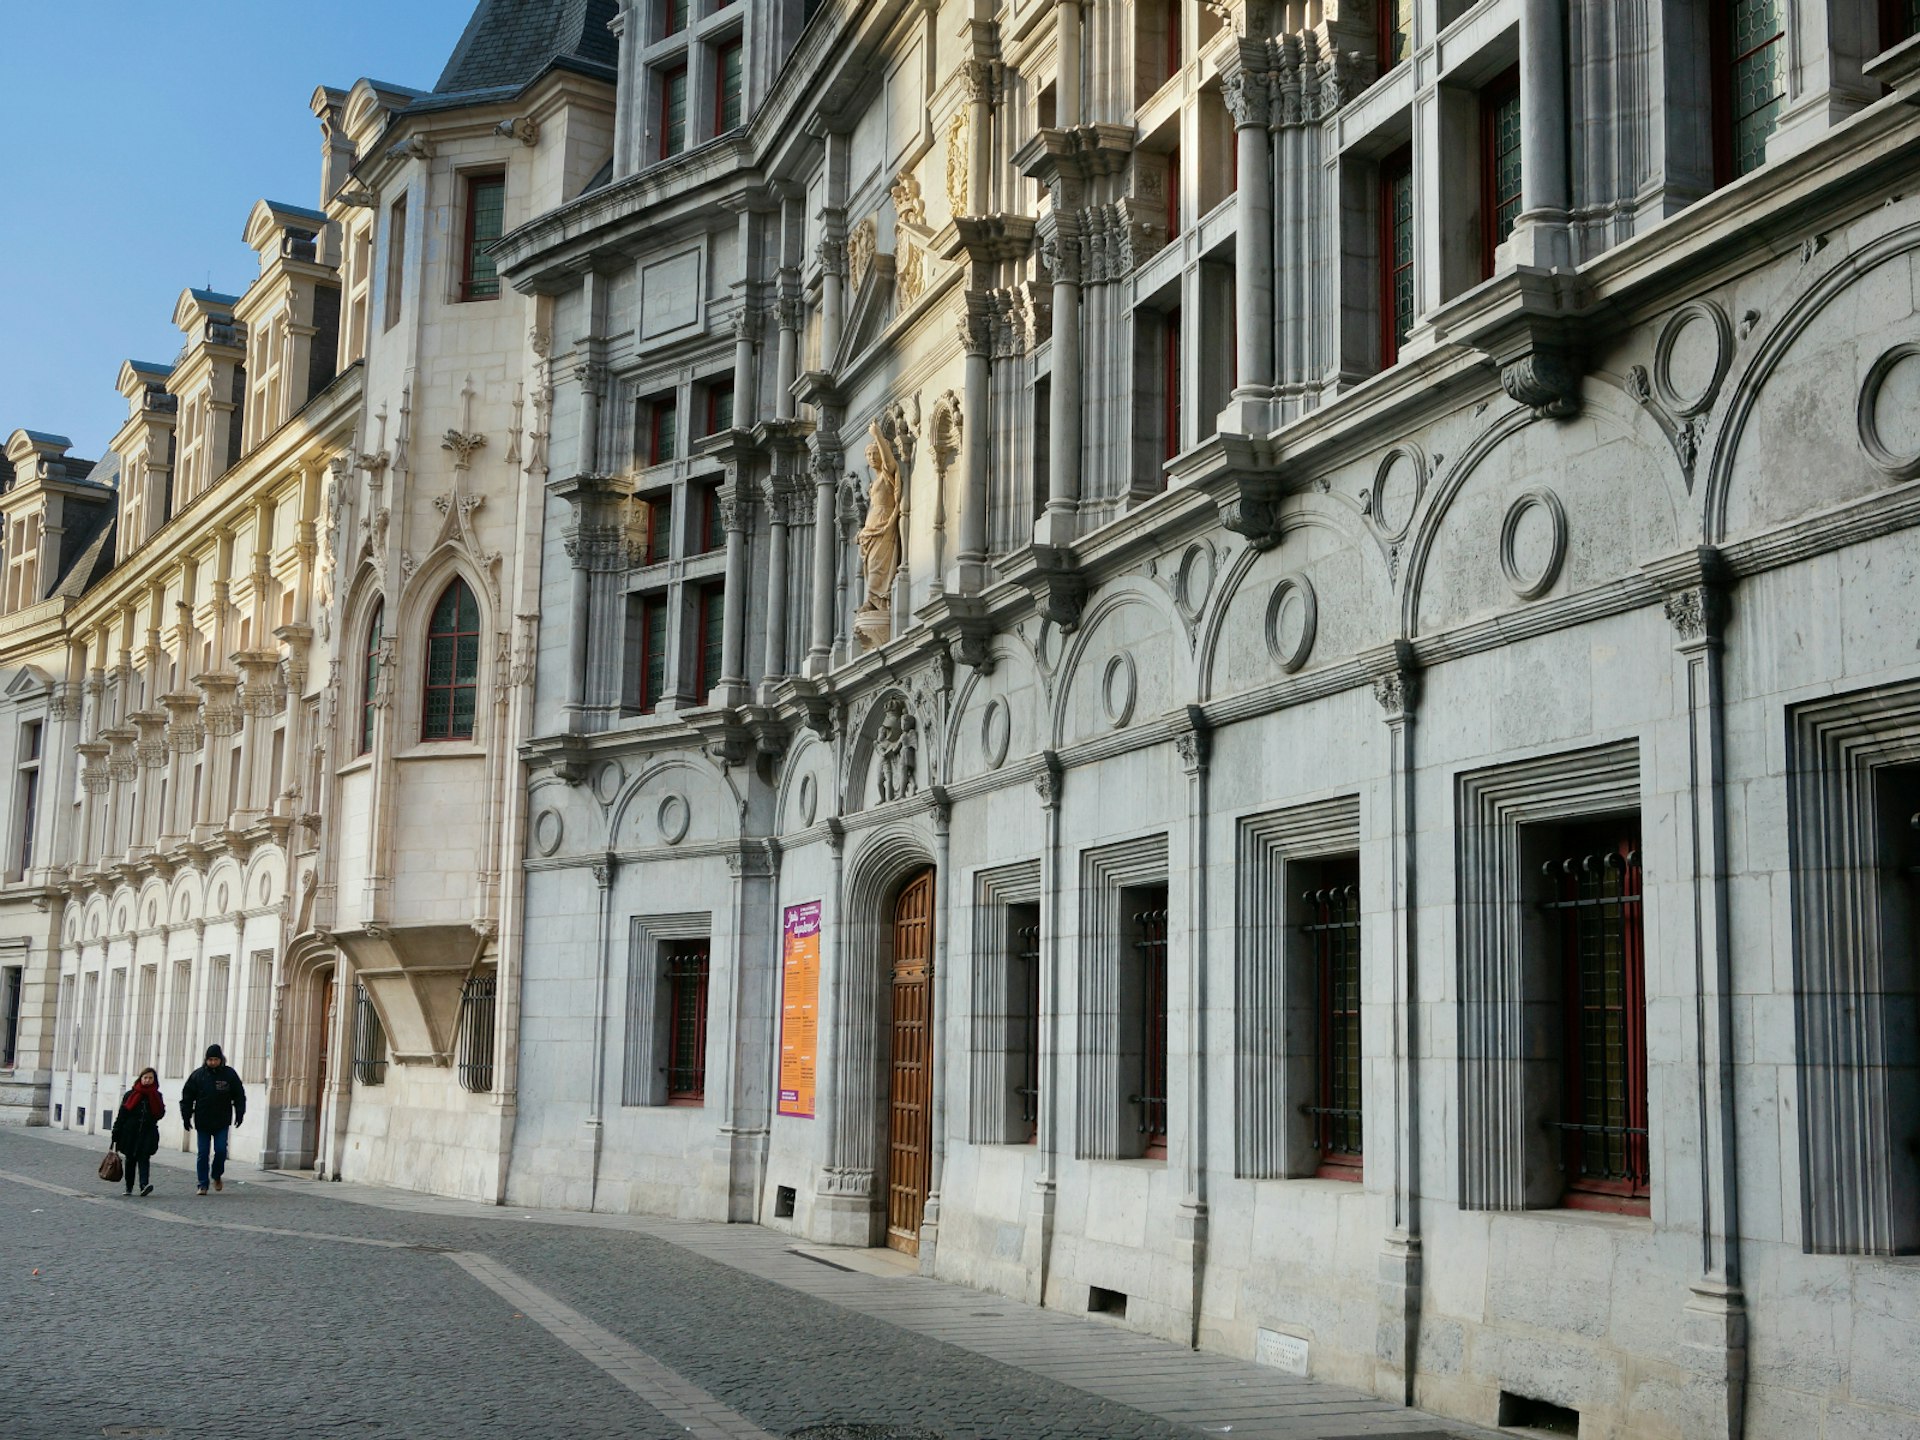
110, 1168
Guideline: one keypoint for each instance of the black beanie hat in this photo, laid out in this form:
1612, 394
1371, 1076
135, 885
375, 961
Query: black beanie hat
214, 1052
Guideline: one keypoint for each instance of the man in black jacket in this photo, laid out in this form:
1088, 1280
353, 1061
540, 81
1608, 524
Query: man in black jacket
213, 1099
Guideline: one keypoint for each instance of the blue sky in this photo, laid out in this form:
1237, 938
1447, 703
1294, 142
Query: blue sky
134, 139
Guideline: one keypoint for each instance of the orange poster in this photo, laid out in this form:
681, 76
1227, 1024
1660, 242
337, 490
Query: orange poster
799, 1008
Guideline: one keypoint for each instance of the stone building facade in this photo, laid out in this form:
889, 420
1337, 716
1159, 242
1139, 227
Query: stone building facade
267, 668
1250, 667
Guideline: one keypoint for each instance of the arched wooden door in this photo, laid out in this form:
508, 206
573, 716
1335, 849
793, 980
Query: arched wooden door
910, 1091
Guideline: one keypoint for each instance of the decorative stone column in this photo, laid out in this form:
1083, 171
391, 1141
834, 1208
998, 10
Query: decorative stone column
222, 718
1540, 233
833, 276
780, 496
1715, 1322
735, 504
1060, 523
150, 755
1247, 89
970, 572
1194, 746
825, 473
982, 81
940, 993
185, 734
1066, 86
1396, 1330
746, 330
1042, 1200
792, 315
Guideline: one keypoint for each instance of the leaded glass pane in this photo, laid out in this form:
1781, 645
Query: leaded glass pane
488, 201
1758, 41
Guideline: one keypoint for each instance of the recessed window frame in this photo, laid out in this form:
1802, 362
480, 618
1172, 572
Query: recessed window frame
647, 651
710, 634
1396, 254
686, 967
396, 276
672, 114
484, 222
729, 91
370, 675
447, 633
1394, 41
1501, 141
1331, 928
1730, 66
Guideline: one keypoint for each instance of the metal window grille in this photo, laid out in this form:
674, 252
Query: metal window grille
215, 1032
116, 1022
687, 965
12, 983
1333, 929
1150, 950
148, 996
1595, 897
1757, 41
453, 665
259, 1014
476, 1031
1026, 955
177, 1003
369, 1040
62, 1024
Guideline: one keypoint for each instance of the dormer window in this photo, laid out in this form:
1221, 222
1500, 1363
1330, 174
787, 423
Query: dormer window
486, 210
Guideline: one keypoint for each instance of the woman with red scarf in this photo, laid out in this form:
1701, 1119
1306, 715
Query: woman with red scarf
136, 1127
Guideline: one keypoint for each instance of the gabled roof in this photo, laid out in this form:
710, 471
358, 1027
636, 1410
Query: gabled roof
509, 42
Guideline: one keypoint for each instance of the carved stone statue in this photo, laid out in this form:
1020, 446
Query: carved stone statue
897, 746
879, 540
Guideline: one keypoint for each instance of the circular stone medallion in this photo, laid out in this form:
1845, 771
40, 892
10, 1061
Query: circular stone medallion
996, 731
673, 817
1533, 543
1293, 615
1890, 412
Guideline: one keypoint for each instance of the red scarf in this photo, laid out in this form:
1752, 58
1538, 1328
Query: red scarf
148, 1093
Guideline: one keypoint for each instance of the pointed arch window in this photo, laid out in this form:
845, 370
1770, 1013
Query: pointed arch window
370, 674
453, 665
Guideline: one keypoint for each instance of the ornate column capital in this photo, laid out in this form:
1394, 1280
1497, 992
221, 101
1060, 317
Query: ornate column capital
973, 322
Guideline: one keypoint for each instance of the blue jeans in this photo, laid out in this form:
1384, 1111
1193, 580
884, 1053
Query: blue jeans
218, 1140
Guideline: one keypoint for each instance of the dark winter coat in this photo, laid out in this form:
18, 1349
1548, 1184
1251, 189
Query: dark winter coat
213, 1099
136, 1133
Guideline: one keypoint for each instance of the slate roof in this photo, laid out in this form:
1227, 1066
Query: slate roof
508, 42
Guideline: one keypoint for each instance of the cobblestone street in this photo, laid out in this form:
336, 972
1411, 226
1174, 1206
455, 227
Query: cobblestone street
285, 1308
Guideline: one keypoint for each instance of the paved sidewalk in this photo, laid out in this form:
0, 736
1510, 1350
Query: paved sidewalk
706, 1378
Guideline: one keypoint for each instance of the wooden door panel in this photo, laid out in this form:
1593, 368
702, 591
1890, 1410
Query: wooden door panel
910, 1087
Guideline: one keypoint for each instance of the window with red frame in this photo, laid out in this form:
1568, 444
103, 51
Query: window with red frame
727, 97
1594, 897
659, 529
453, 665
1499, 164
370, 675
486, 212
713, 534
719, 406
673, 111
673, 17
1899, 20
659, 429
711, 617
1332, 928
1749, 39
687, 963
1145, 912
646, 652
1170, 384
1396, 254
1396, 31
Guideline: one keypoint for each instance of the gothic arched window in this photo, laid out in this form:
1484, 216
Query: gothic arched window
453, 665
370, 673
